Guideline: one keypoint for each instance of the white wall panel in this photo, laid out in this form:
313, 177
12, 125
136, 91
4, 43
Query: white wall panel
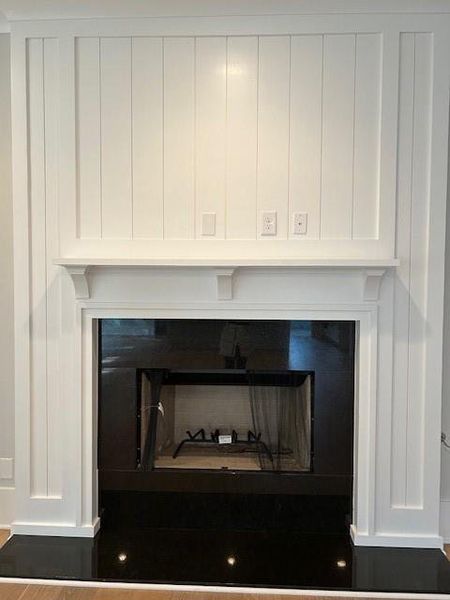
306, 131
210, 134
179, 127
367, 137
38, 267
171, 128
337, 139
147, 130
242, 131
273, 130
87, 68
420, 207
411, 281
53, 275
403, 273
115, 103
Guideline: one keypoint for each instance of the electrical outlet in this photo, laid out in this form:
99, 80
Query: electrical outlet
269, 223
300, 223
209, 224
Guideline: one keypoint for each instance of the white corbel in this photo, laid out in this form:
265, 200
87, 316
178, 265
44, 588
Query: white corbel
372, 284
224, 279
78, 273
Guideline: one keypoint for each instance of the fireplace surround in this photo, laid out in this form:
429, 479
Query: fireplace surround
95, 239
226, 405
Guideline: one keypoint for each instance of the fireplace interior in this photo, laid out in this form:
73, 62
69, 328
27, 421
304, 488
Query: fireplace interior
252, 416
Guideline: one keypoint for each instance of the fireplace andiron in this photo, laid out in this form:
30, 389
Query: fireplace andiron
216, 439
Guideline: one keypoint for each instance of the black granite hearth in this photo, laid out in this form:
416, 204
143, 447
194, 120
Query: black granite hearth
277, 559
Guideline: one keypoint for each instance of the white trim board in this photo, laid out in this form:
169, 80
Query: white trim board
6, 506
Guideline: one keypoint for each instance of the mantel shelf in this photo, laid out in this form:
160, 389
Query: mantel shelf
360, 263
224, 269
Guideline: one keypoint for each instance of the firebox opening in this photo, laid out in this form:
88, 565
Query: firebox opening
230, 419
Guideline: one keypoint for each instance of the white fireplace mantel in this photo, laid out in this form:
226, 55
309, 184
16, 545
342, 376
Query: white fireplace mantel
224, 270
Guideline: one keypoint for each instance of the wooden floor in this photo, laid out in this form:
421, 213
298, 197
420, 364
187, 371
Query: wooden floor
12, 591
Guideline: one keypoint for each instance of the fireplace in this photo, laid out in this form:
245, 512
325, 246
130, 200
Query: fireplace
244, 408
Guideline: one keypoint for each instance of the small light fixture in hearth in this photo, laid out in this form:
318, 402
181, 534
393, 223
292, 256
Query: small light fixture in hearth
122, 557
231, 560
341, 564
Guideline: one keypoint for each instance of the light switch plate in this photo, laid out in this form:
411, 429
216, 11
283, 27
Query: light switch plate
269, 223
209, 224
300, 223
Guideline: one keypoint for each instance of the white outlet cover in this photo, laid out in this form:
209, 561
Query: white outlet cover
269, 223
300, 223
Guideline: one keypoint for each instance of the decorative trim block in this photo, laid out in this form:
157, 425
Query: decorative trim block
224, 279
372, 284
78, 273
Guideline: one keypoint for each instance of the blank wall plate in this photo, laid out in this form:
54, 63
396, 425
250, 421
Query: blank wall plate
300, 223
209, 224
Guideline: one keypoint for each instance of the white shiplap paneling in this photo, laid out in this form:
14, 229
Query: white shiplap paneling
337, 138
366, 175
38, 266
242, 136
115, 95
306, 130
172, 128
273, 130
87, 68
179, 143
53, 278
147, 130
210, 133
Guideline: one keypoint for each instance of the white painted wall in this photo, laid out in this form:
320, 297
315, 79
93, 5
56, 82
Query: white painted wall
6, 290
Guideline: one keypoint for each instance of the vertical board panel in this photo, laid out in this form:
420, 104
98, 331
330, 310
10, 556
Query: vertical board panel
87, 68
53, 281
147, 109
420, 205
337, 138
210, 97
306, 131
366, 184
179, 203
38, 267
242, 94
273, 130
402, 273
115, 75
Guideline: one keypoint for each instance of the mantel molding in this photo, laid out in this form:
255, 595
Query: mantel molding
224, 270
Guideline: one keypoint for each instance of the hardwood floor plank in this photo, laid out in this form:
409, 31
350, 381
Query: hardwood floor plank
48, 592
4, 535
54, 592
12, 591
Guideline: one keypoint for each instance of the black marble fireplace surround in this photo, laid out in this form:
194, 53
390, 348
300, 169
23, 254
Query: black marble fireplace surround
267, 527
226, 352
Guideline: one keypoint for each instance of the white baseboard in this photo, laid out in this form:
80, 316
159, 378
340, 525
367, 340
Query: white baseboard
56, 529
396, 541
6, 507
